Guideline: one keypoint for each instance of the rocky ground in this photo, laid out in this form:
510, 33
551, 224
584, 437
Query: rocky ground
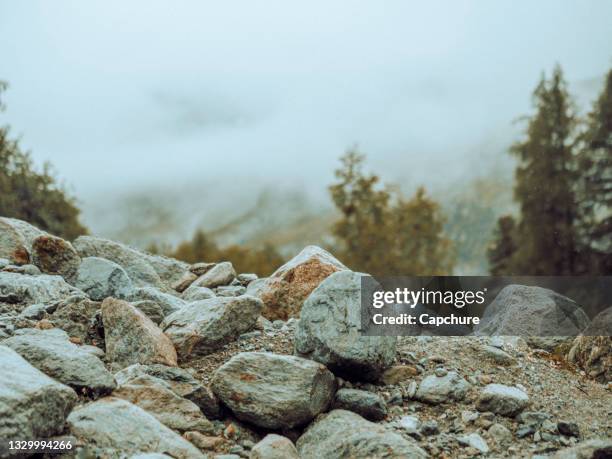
126, 354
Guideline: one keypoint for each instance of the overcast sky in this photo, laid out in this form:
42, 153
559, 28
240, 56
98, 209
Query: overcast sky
118, 93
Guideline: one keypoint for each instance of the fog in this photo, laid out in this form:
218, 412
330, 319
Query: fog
132, 95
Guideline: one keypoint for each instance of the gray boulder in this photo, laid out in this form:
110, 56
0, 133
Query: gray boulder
28, 290
52, 353
77, 315
151, 309
475, 441
520, 310
144, 269
204, 326
54, 255
329, 331
156, 397
345, 435
101, 278
274, 391
166, 301
178, 380
220, 274
367, 404
32, 405
121, 426
274, 447
16, 238
503, 400
439, 389
131, 337
591, 449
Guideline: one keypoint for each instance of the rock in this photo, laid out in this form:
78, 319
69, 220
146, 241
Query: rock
343, 435
503, 400
274, 391
398, 374
150, 456
78, 316
409, 424
204, 442
193, 294
497, 355
204, 326
284, 292
230, 290
150, 309
593, 351
26, 290
131, 337
156, 397
569, 429
367, 404
550, 343
32, 405
52, 353
167, 302
329, 331
4, 263
450, 387
178, 380
143, 269
429, 428
591, 449
520, 310
274, 447
246, 278
53, 255
220, 274
34, 312
184, 282
120, 425
500, 434
100, 279
475, 441
16, 238
200, 269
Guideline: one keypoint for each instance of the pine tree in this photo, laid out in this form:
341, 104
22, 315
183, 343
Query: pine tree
596, 182
545, 185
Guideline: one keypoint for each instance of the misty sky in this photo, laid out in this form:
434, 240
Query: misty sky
131, 93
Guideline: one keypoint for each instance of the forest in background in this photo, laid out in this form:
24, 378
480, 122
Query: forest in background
562, 193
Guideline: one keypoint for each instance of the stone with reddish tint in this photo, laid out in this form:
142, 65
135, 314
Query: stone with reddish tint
54, 255
284, 292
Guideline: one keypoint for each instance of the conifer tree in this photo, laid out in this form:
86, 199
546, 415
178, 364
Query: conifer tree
546, 179
596, 183
503, 249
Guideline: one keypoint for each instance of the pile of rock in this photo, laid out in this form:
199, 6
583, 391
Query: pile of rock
100, 344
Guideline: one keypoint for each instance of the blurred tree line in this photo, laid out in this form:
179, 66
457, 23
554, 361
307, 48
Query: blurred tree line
34, 195
563, 185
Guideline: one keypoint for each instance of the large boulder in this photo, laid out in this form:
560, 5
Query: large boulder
54, 255
29, 290
220, 274
156, 397
101, 278
121, 426
52, 353
329, 331
274, 391
16, 239
32, 405
178, 380
345, 435
284, 292
204, 326
520, 310
131, 337
144, 269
